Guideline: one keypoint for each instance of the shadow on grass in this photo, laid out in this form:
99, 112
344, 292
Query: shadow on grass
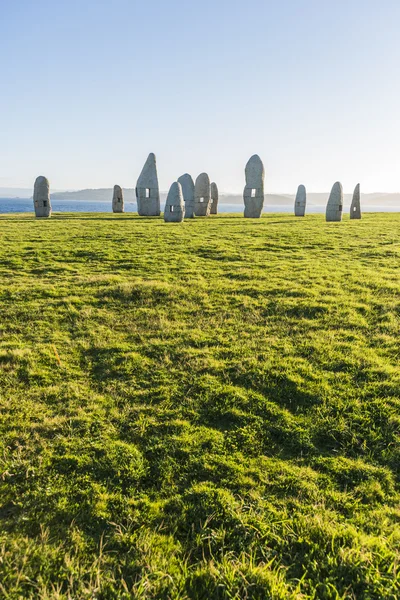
108, 364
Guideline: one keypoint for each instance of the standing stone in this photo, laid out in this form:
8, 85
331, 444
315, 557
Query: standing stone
174, 211
202, 196
300, 202
334, 208
355, 209
214, 199
118, 200
253, 194
187, 184
41, 197
147, 190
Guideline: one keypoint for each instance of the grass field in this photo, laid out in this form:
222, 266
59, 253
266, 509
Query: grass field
199, 410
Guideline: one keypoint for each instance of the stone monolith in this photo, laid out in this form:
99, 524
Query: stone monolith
187, 184
202, 196
118, 200
41, 197
253, 194
300, 202
174, 211
334, 208
214, 199
355, 208
147, 190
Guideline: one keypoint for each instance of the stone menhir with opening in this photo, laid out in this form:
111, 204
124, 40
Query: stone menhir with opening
334, 208
118, 200
253, 194
187, 184
214, 199
41, 197
355, 208
202, 196
174, 211
147, 190
300, 202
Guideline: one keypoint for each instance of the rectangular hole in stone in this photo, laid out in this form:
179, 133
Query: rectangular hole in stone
201, 199
44, 203
171, 209
147, 193
253, 193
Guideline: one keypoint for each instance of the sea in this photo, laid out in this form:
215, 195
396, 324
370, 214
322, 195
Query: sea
23, 205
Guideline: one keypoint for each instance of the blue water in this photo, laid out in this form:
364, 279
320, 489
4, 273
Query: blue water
22, 205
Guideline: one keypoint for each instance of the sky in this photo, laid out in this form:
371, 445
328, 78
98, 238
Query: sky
89, 87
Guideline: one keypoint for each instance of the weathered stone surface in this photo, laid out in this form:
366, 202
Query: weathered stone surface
202, 196
253, 194
174, 210
355, 208
118, 200
300, 202
41, 197
334, 208
214, 199
187, 184
147, 190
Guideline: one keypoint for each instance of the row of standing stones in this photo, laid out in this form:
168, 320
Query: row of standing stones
185, 198
200, 199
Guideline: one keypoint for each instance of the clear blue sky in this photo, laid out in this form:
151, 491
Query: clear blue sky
90, 87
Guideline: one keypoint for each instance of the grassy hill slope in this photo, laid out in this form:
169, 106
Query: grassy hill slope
199, 410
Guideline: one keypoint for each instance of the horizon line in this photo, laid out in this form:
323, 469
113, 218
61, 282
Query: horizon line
226, 193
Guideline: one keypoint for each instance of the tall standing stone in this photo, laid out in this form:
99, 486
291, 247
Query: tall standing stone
253, 194
355, 208
118, 200
214, 199
41, 197
187, 184
174, 211
202, 196
300, 202
147, 190
334, 208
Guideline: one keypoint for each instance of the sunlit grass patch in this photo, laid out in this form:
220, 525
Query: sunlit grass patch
207, 410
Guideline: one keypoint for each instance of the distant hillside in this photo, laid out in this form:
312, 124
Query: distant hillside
11, 192
94, 195
319, 199
316, 199
105, 194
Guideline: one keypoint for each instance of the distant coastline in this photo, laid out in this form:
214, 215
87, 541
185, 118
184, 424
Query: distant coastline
232, 204
378, 201
389, 200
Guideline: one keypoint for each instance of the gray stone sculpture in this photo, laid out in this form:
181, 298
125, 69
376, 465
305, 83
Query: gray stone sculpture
253, 194
334, 208
118, 200
355, 208
147, 190
187, 184
214, 199
174, 211
202, 196
41, 197
300, 202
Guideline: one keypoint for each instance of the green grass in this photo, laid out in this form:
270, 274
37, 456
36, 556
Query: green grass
225, 420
